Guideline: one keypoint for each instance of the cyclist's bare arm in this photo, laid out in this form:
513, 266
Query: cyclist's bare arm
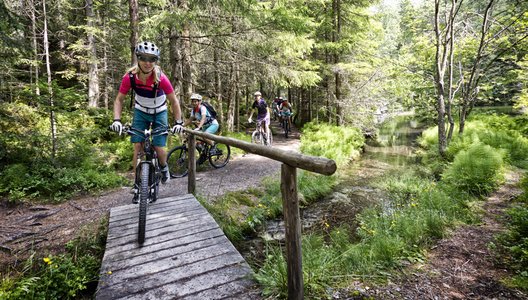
118, 105
175, 105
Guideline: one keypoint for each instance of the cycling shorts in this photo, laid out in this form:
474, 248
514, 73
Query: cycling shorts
286, 113
266, 119
142, 121
212, 129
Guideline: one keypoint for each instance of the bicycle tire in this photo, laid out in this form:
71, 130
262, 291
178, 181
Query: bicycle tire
178, 161
270, 139
256, 137
286, 128
221, 158
143, 202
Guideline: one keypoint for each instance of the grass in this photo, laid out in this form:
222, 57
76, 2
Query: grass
73, 274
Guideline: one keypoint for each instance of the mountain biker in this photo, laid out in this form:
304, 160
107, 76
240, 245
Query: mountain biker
263, 112
201, 115
149, 107
286, 110
275, 108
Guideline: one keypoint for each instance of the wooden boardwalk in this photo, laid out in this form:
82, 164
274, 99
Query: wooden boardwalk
185, 256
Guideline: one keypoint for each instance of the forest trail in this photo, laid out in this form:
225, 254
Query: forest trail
47, 228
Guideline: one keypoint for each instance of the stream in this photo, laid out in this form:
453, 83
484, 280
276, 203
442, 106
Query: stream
392, 149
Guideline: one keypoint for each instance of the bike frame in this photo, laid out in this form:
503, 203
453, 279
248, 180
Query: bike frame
148, 173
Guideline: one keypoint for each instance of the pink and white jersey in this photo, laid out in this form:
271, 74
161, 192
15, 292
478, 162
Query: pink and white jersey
145, 100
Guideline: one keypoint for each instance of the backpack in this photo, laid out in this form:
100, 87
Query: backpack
133, 86
210, 109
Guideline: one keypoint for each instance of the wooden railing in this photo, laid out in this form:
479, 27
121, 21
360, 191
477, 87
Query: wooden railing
292, 222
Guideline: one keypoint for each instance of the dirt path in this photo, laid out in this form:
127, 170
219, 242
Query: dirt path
460, 266
46, 228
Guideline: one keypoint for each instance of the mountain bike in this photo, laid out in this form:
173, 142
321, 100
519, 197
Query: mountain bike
285, 124
148, 174
259, 135
178, 157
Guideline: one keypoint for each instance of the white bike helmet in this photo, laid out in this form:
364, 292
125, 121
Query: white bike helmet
257, 93
147, 48
196, 97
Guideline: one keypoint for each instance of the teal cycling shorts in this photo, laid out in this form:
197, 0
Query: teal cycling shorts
286, 113
142, 121
212, 129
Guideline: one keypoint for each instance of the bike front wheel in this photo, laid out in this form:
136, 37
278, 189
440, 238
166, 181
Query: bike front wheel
270, 139
143, 202
257, 138
178, 161
220, 155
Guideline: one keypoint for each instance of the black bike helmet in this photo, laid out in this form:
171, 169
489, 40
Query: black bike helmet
147, 48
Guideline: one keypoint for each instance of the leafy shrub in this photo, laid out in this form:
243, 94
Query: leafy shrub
477, 170
64, 276
340, 143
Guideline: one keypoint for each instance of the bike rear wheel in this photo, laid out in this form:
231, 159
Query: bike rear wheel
286, 127
220, 156
178, 160
143, 201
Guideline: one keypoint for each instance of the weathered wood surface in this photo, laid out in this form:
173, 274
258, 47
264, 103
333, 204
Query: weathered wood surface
185, 256
316, 164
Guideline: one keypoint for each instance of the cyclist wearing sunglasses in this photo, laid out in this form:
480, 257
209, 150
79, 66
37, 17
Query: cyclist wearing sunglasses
152, 89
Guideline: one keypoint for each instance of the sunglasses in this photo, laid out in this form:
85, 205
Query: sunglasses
148, 58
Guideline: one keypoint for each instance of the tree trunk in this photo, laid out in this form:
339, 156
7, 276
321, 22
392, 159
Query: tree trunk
134, 31
93, 73
237, 95
50, 88
337, 77
218, 87
470, 88
34, 39
231, 100
186, 55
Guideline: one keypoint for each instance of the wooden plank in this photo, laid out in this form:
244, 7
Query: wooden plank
169, 200
172, 201
128, 242
185, 256
167, 277
316, 164
221, 283
182, 238
144, 266
121, 228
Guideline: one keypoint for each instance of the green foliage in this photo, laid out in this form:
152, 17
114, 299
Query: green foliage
502, 132
85, 161
477, 170
512, 248
339, 143
417, 212
314, 186
63, 276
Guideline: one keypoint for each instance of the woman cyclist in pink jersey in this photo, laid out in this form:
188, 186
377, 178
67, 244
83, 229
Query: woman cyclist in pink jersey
152, 89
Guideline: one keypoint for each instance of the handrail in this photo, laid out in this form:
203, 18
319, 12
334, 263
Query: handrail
315, 164
292, 221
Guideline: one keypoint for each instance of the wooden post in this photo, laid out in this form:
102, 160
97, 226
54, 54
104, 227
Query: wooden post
292, 224
191, 145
